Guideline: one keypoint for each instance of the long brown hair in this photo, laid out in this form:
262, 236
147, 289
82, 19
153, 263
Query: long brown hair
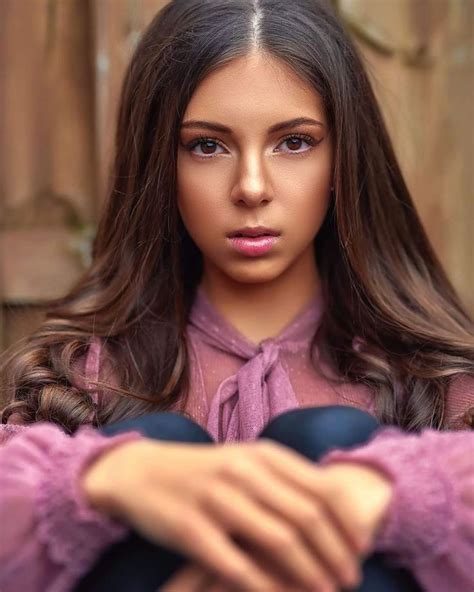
381, 278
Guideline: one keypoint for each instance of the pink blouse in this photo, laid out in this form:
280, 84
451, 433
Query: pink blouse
50, 537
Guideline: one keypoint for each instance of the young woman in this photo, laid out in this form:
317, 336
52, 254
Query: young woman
265, 379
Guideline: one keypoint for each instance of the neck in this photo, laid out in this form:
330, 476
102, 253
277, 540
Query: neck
262, 310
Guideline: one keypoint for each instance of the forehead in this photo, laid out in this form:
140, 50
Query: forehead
254, 90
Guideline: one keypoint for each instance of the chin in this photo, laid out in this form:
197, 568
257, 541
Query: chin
254, 272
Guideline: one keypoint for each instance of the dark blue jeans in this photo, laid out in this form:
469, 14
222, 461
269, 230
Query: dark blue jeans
137, 565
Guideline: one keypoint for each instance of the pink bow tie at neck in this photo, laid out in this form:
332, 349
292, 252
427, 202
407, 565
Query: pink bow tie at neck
246, 401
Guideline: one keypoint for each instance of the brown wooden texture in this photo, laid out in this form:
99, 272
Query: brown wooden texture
61, 67
117, 25
47, 161
425, 84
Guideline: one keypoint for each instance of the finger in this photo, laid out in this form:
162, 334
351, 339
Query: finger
306, 475
220, 586
191, 578
202, 539
309, 516
252, 522
282, 582
357, 532
290, 464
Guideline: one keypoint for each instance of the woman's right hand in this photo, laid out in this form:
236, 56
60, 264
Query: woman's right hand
201, 499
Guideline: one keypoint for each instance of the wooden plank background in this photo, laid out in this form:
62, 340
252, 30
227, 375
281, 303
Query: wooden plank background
58, 105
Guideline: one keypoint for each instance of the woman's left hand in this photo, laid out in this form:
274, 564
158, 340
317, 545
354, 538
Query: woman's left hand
356, 497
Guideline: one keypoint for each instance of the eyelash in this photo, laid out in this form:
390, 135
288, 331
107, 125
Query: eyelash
308, 139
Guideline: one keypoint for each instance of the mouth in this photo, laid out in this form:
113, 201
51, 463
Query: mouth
248, 232
253, 241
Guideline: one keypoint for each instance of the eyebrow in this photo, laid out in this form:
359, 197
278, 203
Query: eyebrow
217, 127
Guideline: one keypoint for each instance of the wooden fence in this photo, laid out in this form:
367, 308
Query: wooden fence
61, 66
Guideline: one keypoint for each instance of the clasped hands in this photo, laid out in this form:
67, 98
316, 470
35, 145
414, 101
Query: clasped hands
344, 508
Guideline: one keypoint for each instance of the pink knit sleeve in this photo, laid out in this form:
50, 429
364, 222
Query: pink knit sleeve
429, 526
50, 537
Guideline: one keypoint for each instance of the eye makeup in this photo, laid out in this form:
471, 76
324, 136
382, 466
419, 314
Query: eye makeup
208, 140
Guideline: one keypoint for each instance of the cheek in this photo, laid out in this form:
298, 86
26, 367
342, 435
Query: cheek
309, 198
200, 196
307, 217
197, 209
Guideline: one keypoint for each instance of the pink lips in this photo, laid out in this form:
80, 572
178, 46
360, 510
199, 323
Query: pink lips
253, 246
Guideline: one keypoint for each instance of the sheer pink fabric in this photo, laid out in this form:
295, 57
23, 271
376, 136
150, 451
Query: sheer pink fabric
238, 386
429, 526
50, 537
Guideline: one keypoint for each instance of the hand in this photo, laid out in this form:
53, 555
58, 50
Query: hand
192, 578
197, 498
369, 496
359, 499
196, 578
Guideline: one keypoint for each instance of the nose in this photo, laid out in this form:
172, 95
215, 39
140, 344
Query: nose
252, 187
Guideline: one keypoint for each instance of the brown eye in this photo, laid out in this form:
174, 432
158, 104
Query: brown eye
294, 143
208, 146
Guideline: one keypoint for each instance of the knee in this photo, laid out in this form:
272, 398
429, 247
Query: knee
162, 426
315, 430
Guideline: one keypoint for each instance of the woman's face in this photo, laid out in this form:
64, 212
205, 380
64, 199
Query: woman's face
249, 175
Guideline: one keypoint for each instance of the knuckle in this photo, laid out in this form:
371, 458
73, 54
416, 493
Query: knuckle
236, 468
283, 541
213, 494
199, 488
